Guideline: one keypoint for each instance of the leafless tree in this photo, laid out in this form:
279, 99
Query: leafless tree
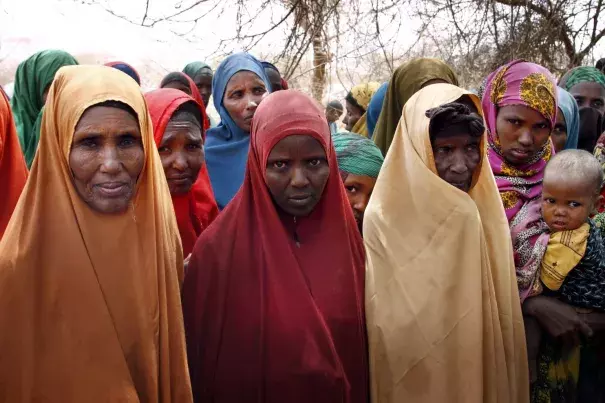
313, 31
482, 34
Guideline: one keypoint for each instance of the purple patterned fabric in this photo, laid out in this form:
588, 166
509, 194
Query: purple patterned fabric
531, 85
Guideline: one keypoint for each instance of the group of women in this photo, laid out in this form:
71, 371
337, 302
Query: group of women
148, 255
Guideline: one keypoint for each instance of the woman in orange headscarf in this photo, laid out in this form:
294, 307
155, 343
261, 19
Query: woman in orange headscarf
179, 135
13, 171
91, 260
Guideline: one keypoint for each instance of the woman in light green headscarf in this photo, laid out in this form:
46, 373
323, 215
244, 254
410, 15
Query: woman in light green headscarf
408, 79
32, 81
202, 75
359, 163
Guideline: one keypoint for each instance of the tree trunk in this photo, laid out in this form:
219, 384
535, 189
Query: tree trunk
320, 59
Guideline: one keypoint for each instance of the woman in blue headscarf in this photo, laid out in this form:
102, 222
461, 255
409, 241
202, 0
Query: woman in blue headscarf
375, 107
239, 85
566, 132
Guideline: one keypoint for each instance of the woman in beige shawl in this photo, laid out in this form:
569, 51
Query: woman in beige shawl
443, 312
90, 261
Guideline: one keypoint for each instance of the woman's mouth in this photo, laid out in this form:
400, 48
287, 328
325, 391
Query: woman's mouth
520, 154
112, 189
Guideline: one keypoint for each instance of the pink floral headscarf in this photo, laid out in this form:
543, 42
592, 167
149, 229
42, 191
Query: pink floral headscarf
531, 85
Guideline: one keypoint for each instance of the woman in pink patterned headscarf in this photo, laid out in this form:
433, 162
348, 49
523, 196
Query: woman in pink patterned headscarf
520, 104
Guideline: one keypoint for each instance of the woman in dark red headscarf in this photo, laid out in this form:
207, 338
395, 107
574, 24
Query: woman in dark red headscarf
196, 208
273, 298
183, 82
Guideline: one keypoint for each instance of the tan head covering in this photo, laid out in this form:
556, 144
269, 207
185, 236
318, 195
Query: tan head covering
443, 312
405, 82
89, 303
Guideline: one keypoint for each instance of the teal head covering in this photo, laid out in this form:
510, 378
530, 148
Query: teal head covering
569, 107
357, 155
195, 68
582, 74
33, 77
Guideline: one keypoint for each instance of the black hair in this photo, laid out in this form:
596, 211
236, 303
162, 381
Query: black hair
350, 99
189, 112
175, 76
453, 118
601, 64
119, 105
336, 105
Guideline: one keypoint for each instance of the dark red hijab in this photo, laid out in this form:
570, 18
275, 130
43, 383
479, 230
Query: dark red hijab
197, 209
267, 320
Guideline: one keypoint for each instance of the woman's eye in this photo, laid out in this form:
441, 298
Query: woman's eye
314, 162
127, 141
515, 122
279, 164
597, 104
351, 189
259, 90
542, 126
443, 150
236, 94
559, 129
193, 147
89, 143
472, 147
164, 149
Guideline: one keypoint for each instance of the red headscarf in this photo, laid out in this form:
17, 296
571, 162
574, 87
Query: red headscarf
267, 320
13, 171
197, 209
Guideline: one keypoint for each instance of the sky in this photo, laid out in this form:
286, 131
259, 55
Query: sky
84, 29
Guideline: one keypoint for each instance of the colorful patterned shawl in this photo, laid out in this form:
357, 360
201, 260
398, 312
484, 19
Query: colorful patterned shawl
531, 85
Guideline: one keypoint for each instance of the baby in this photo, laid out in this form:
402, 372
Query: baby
570, 195
573, 266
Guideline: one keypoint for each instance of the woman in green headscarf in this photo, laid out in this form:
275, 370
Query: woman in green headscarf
408, 79
359, 163
202, 75
587, 85
32, 81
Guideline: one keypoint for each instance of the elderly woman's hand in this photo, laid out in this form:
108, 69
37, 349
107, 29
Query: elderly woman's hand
559, 320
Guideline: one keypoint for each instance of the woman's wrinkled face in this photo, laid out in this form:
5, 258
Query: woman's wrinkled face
244, 92
589, 94
296, 174
177, 85
559, 134
359, 189
354, 113
203, 82
522, 132
106, 158
182, 153
457, 155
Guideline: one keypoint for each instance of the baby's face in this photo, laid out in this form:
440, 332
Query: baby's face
566, 205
